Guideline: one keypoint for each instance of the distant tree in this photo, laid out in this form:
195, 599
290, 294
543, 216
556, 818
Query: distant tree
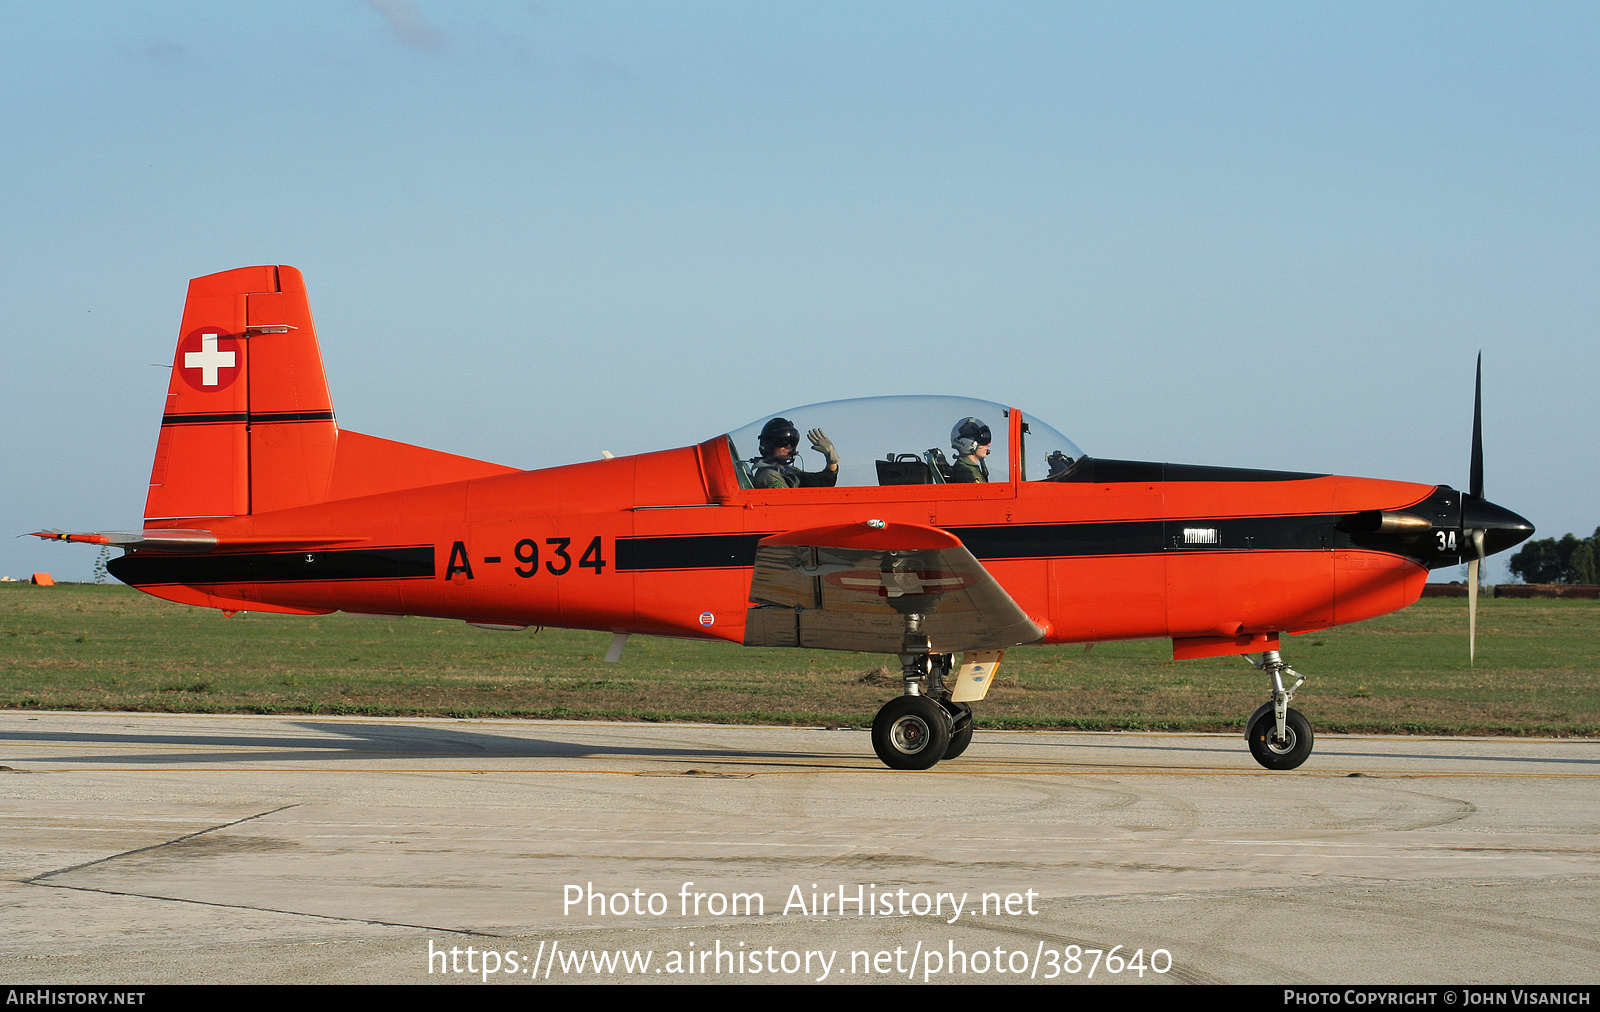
1586, 560
1536, 562
1569, 560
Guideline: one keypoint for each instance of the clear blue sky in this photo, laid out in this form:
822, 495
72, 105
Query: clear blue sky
1267, 235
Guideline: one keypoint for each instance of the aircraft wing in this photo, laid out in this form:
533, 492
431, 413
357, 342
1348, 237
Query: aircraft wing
879, 587
163, 539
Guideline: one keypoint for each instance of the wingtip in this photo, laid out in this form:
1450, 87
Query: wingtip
57, 535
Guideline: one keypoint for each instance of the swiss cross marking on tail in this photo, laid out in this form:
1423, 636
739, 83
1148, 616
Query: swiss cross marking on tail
209, 359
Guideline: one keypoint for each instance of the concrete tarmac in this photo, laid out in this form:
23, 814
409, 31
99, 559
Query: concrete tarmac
160, 848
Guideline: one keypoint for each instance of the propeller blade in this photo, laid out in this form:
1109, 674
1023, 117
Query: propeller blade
1475, 489
1472, 613
1472, 598
1475, 486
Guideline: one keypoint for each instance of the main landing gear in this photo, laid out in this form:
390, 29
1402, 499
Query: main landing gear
1280, 738
922, 727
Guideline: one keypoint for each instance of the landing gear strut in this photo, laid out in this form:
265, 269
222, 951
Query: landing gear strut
1280, 738
916, 730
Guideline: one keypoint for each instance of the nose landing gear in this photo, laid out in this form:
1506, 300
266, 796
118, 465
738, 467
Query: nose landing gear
1280, 738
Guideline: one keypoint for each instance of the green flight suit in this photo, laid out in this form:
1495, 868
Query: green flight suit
964, 471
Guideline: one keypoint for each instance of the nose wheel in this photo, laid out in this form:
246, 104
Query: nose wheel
1280, 738
1280, 752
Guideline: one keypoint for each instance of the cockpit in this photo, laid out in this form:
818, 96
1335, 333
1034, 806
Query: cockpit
909, 441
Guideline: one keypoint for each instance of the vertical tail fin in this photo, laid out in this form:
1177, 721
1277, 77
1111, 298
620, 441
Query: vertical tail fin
248, 425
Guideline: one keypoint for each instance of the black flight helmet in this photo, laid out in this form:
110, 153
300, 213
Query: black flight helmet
776, 433
968, 435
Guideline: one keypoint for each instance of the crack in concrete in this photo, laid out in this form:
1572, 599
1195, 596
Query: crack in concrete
37, 879
265, 910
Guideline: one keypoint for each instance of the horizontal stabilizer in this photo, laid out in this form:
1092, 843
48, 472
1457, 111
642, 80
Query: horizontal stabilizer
172, 540
879, 587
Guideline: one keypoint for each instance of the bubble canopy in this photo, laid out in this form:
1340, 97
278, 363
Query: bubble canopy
908, 441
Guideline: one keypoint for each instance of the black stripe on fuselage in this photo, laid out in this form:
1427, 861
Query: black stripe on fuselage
1144, 537
318, 565
1097, 471
248, 418
695, 551
734, 551
1027, 541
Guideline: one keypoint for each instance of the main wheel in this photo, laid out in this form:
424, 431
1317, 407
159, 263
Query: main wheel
961, 737
1293, 750
911, 733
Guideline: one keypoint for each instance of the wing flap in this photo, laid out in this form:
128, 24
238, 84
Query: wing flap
882, 588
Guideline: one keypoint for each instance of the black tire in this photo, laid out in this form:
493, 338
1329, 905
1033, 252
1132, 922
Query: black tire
959, 742
1284, 755
911, 733
961, 737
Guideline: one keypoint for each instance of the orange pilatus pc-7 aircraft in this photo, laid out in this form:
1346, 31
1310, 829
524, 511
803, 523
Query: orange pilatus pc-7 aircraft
260, 502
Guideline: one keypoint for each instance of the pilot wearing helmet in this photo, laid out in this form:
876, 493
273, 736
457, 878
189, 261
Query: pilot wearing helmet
775, 467
970, 438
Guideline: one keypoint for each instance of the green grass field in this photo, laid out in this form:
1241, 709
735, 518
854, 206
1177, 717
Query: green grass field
86, 647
